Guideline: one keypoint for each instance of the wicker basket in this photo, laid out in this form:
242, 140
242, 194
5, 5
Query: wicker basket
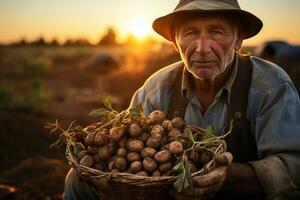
110, 186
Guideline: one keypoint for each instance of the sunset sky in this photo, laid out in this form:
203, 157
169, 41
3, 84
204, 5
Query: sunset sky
63, 19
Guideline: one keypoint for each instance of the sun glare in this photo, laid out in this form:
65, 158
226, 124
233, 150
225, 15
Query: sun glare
140, 28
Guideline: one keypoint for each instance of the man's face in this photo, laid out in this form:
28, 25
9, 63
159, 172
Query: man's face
207, 45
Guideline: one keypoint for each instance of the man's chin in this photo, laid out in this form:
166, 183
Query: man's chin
203, 73
203, 76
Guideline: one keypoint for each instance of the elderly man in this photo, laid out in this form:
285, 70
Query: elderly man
209, 86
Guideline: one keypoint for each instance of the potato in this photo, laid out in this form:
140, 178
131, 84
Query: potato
123, 142
176, 148
135, 167
149, 164
116, 133
194, 156
199, 149
96, 158
121, 163
89, 140
92, 150
133, 156
164, 167
162, 156
168, 173
100, 139
134, 130
157, 131
167, 125
178, 122
91, 127
99, 166
111, 165
148, 152
144, 137
156, 117
153, 142
135, 145
122, 152
104, 153
112, 147
192, 167
156, 173
115, 171
173, 134
142, 173
81, 154
205, 158
105, 131
87, 161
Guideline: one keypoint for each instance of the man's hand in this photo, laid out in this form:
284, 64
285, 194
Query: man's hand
208, 185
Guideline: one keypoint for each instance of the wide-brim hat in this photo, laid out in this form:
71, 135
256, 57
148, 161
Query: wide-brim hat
250, 24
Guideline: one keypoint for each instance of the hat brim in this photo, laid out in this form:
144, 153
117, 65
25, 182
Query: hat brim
250, 24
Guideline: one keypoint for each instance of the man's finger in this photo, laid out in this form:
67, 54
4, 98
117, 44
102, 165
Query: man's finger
206, 180
225, 158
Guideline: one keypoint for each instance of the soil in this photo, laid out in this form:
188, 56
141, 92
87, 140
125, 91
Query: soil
29, 169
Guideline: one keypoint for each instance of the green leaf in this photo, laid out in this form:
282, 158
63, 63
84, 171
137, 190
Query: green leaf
177, 185
209, 130
177, 167
186, 183
58, 143
110, 117
134, 113
108, 102
77, 148
99, 112
81, 132
139, 107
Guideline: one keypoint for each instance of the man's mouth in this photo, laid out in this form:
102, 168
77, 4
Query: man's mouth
206, 62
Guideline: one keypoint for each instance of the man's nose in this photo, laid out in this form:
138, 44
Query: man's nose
203, 45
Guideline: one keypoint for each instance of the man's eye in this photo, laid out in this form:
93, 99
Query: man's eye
191, 32
217, 32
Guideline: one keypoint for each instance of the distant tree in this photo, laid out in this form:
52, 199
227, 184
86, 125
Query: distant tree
39, 42
109, 38
54, 42
21, 42
69, 42
82, 42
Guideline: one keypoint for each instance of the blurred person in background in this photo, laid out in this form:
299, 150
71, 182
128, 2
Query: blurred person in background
212, 84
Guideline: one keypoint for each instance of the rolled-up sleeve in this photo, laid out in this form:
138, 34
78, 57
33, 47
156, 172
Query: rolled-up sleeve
147, 98
140, 97
277, 132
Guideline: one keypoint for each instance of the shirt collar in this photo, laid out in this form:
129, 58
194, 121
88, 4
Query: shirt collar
186, 85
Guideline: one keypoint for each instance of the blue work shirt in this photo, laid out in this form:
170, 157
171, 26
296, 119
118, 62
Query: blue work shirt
273, 111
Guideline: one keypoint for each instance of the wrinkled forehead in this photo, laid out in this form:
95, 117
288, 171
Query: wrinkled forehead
192, 18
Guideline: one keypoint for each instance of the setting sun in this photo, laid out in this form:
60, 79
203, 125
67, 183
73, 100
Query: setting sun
140, 27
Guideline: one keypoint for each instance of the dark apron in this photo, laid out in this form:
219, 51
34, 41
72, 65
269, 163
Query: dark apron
240, 142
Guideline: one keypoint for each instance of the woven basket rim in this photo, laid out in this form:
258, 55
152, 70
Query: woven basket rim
121, 176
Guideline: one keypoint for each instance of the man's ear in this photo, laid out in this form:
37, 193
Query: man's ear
239, 41
175, 46
174, 41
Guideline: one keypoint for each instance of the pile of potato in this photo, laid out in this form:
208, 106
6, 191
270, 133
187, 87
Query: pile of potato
146, 148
